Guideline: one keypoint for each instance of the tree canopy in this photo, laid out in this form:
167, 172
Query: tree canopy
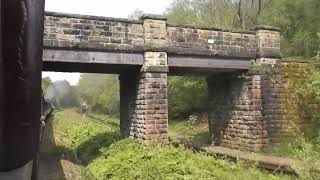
299, 20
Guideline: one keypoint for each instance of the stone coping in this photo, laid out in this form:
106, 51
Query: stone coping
159, 17
91, 17
265, 27
170, 24
153, 16
296, 60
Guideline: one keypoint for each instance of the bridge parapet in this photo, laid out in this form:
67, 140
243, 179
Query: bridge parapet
69, 31
187, 39
154, 33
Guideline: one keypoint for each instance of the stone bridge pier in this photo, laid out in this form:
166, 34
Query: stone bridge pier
143, 91
143, 99
245, 106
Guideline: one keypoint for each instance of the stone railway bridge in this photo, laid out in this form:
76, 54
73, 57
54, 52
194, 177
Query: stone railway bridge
244, 111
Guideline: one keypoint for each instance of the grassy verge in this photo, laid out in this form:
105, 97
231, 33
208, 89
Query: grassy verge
299, 148
127, 159
94, 143
304, 149
198, 132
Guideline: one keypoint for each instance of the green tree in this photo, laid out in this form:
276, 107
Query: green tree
299, 22
236, 14
101, 92
186, 95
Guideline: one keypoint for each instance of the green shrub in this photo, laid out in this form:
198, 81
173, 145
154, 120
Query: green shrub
127, 159
98, 147
186, 95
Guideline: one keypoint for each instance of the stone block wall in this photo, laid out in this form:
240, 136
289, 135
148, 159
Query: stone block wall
92, 32
272, 98
235, 116
143, 99
155, 31
247, 113
298, 110
212, 41
150, 33
268, 42
261, 109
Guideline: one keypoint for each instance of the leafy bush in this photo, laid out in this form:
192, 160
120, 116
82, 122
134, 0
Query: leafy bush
186, 95
299, 148
98, 147
127, 159
81, 138
303, 149
101, 92
192, 120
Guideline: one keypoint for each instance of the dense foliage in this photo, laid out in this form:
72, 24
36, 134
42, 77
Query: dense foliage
95, 144
101, 92
187, 95
127, 159
298, 20
310, 89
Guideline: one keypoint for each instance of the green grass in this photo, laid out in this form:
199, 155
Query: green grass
198, 132
80, 139
127, 159
304, 149
299, 148
95, 144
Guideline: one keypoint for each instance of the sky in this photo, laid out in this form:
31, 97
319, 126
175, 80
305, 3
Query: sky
108, 8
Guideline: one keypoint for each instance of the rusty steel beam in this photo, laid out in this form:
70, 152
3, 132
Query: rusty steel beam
22, 32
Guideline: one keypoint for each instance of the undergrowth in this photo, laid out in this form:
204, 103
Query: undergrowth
197, 132
127, 159
305, 149
95, 144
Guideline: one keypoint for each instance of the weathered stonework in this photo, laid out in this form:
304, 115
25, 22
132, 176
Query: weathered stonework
272, 98
268, 42
214, 42
298, 109
91, 32
150, 33
155, 31
247, 113
145, 99
244, 113
235, 116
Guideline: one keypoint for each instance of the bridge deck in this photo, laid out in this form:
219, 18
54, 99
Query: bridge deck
115, 62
